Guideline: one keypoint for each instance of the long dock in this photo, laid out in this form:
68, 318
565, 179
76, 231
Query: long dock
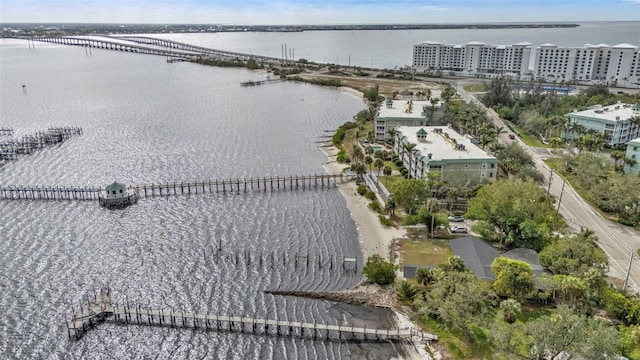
271, 183
259, 82
101, 310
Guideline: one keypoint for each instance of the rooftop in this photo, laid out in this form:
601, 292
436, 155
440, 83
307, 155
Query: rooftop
398, 109
615, 112
477, 255
441, 146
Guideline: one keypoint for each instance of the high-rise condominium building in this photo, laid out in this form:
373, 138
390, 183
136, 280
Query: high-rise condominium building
615, 65
472, 58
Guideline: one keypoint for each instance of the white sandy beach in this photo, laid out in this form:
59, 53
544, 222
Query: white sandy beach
373, 237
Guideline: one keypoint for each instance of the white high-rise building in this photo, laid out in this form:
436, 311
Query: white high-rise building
472, 58
616, 65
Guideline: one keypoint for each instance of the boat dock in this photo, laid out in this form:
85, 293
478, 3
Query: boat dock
9, 150
260, 82
101, 309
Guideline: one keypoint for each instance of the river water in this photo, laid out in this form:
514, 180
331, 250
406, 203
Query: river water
147, 121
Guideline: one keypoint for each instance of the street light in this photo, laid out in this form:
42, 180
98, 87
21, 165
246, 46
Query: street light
626, 279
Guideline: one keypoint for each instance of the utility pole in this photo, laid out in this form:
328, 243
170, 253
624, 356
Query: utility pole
550, 178
626, 278
561, 192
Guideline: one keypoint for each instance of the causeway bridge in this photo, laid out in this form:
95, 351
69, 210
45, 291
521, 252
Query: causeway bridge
101, 309
151, 46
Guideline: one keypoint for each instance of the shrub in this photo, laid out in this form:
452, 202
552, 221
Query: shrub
362, 189
379, 271
385, 221
398, 162
375, 206
412, 220
343, 157
370, 195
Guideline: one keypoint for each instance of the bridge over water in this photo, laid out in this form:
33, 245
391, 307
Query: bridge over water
151, 46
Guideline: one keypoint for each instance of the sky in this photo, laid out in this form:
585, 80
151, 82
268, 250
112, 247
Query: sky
301, 12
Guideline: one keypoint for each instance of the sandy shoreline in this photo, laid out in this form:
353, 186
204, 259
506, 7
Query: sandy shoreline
372, 236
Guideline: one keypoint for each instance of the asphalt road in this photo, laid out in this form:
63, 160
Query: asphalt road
617, 241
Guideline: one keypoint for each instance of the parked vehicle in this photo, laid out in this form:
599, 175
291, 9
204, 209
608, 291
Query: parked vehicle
456, 218
512, 136
458, 229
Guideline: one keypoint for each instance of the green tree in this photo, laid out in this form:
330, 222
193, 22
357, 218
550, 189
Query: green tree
515, 159
458, 300
510, 309
410, 194
583, 338
498, 93
515, 213
379, 271
513, 277
574, 255
378, 164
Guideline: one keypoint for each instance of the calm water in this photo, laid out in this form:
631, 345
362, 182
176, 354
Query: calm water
146, 121
389, 49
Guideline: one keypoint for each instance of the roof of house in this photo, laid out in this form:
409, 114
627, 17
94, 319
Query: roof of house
476, 254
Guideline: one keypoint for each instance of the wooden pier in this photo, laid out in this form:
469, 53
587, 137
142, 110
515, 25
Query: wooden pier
260, 82
271, 183
9, 150
101, 309
48, 193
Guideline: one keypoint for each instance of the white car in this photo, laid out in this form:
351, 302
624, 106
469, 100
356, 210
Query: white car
458, 229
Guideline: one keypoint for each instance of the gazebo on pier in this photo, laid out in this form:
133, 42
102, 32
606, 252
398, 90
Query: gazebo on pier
117, 195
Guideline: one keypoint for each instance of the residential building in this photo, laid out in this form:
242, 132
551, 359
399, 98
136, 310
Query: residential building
440, 148
473, 58
616, 65
395, 113
633, 153
620, 122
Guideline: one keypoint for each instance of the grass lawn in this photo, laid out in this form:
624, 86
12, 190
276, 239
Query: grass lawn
475, 88
420, 250
456, 341
390, 181
529, 139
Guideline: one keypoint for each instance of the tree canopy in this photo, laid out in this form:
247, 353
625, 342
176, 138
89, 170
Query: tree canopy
411, 194
574, 255
513, 278
515, 213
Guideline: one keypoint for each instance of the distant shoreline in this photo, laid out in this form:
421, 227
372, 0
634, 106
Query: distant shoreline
87, 29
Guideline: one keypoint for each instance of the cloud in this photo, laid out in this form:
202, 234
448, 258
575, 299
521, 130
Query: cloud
440, 8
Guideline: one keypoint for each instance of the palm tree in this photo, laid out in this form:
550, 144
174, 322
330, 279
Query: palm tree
408, 147
357, 154
387, 172
378, 163
555, 142
392, 135
369, 161
432, 109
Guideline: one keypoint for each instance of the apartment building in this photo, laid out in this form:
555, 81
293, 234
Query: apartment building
472, 58
396, 113
633, 153
615, 65
620, 122
440, 148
